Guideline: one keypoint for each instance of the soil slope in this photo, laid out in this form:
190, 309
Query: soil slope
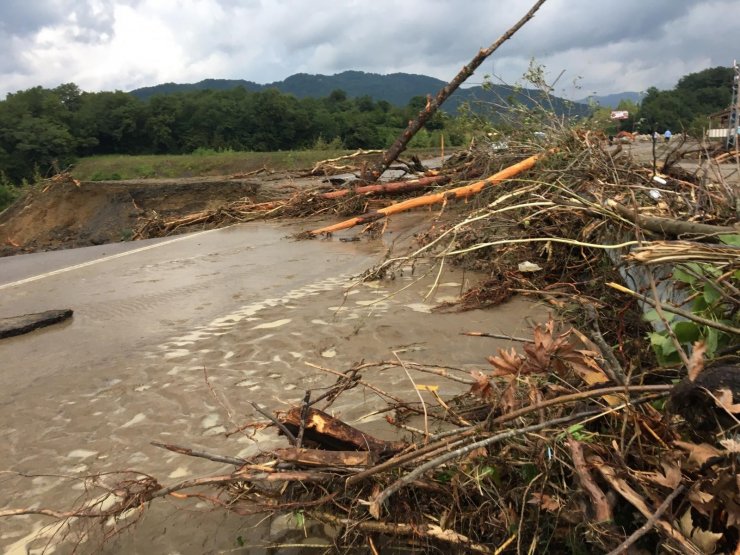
63, 213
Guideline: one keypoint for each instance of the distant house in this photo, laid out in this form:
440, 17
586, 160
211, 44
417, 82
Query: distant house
718, 124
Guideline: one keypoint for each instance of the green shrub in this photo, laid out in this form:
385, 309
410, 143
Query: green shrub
8, 192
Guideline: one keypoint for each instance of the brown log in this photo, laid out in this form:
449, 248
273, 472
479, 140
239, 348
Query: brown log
390, 188
323, 458
433, 104
668, 226
458, 193
333, 434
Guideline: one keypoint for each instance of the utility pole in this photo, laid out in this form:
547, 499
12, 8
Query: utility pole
733, 121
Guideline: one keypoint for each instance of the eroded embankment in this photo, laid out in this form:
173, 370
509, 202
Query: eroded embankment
65, 214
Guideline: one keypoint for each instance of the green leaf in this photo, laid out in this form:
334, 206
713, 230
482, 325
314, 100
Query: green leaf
444, 476
711, 295
652, 316
712, 340
700, 305
668, 348
733, 239
300, 519
680, 275
656, 339
686, 332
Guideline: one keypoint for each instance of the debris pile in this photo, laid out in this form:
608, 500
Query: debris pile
615, 432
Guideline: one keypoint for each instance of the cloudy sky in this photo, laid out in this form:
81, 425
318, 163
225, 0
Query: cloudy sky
601, 46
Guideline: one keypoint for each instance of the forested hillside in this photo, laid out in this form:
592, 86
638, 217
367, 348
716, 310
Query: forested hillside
396, 88
688, 104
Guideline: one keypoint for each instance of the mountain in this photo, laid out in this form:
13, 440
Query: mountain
613, 100
396, 88
145, 93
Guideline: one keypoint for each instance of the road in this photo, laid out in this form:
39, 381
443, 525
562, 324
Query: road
248, 307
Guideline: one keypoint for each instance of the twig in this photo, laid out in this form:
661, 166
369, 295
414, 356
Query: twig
381, 497
645, 528
637, 501
598, 499
380, 392
460, 435
401, 529
581, 395
688, 315
275, 421
418, 393
200, 454
304, 415
613, 368
497, 336
542, 240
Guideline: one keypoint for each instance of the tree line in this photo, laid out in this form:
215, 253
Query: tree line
42, 130
685, 108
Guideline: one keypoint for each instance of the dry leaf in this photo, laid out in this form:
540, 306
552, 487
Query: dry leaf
670, 479
703, 539
698, 454
724, 398
696, 362
546, 502
508, 398
508, 363
733, 446
733, 513
482, 387
479, 453
585, 365
701, 500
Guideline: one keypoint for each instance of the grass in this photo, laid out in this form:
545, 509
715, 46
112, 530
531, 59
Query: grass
115, 167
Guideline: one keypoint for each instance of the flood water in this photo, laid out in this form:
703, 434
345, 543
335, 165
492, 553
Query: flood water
245, 305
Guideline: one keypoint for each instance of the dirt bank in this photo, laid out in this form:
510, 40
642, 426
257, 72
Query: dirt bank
65, 214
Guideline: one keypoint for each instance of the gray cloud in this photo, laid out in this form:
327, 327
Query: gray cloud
120, 44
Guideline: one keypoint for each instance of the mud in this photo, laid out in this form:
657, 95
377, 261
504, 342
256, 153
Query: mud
244, 306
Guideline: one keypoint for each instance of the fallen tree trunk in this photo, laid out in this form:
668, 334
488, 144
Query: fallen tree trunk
390, 188
458, 193
668, 226
433, 104
18, 325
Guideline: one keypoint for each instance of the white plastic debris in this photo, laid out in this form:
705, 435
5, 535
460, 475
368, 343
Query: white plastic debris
654, 194
528, 266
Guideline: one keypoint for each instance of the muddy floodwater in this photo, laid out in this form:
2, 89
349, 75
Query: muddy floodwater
245, 305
